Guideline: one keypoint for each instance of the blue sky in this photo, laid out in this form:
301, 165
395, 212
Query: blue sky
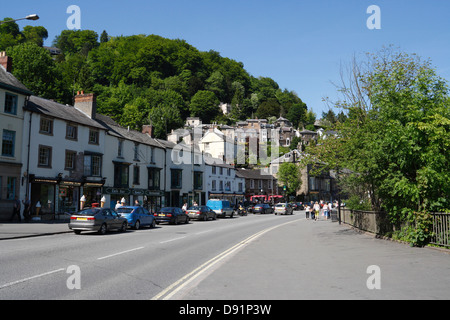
299, 43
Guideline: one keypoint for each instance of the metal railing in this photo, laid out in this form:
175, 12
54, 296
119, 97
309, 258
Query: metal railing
441, 229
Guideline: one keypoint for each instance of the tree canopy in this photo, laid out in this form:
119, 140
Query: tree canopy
395, 143
131, 75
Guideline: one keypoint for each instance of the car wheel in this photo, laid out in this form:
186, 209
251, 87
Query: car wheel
103, 229
124, 227
205, 217
137, 225
153, 225
77, 231
187, 220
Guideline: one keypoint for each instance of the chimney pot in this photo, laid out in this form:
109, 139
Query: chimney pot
6, 61
148, 129
86, 103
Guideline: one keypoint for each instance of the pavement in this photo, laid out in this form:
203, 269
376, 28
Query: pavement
17, 230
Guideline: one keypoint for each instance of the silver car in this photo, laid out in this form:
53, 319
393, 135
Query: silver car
283, 208
101, 220
201, 213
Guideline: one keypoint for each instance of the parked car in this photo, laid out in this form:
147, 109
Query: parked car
201, 213
137, 216
283, 208
221, 207
101, 220
262, 208
172, 215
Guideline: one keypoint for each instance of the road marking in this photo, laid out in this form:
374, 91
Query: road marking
175, 239
31, 278
175, 287
119, 253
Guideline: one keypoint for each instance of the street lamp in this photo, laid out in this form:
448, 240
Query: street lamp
33, 17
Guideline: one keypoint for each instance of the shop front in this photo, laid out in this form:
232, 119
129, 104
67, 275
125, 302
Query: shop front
149, 199
43, 195
68, 196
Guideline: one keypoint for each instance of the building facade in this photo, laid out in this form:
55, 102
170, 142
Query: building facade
13, 96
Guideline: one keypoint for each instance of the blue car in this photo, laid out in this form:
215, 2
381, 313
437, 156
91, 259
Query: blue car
137, 216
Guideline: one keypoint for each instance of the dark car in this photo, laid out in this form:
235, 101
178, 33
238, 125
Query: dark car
201, 213
97, 219
172, 215
262, 208
300, 206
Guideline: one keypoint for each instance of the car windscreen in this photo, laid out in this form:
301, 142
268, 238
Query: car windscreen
194, 208
88, 212
125, 210
165, 210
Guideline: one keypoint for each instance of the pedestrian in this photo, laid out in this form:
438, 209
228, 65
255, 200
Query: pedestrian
16, 209
316, 211
118, 205
26, 209
307, 211
325, 210
184, 208
136, 203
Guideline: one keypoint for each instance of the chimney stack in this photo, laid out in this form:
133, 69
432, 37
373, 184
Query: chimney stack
148, 129
86, 103
6, 61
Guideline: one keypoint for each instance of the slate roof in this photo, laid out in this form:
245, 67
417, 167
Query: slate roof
69, 113
57, 110
9, 82
252, 174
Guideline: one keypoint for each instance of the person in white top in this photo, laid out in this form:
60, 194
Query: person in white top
325, 210
316, 209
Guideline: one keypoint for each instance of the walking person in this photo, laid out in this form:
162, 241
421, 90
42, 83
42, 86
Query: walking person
26, 209
325, 210
16, 209
316, 210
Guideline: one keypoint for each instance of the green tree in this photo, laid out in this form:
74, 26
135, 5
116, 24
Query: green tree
10, 34
36, 35
104, 37
164, 119
289, 175
35, 68
204, 104
268, 108
297, 114
396, 140
76, 41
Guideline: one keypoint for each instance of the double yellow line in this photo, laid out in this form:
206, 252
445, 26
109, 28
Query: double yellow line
177, 286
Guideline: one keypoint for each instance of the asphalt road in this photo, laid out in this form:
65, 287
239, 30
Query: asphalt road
133, 265
255, 257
